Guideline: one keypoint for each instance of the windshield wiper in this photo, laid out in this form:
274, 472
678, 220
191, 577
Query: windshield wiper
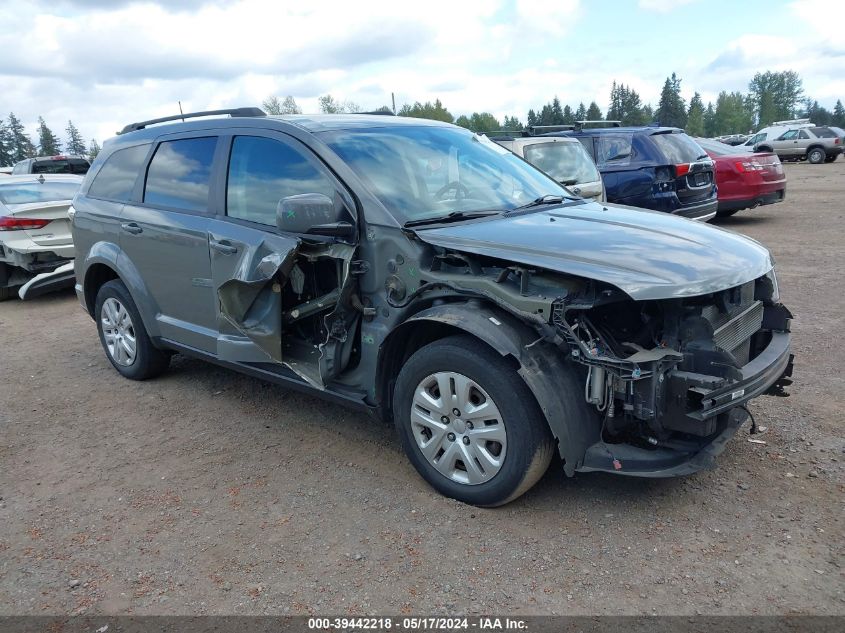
451, 217
544, 200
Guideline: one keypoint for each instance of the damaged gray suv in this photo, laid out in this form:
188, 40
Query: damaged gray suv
420, 272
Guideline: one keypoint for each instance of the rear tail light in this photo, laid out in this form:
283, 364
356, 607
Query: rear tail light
836, 141
21, 224
682, 170
749, 166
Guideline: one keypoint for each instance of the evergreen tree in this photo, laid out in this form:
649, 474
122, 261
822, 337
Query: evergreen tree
568, 116
48, 143
532, 118
626, 106
671, 110
594, 112
839, 114
21, 145
93, 150
581, 112
647, 113
695, 116
512, 123
556, 112
75, 145
464, 121
710, 120
817, 114
5, 145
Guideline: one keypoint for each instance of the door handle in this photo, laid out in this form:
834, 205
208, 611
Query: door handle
131, 227
223, 246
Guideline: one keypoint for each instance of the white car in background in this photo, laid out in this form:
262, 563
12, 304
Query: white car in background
35, 233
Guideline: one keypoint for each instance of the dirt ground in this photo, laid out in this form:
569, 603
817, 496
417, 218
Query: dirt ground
207, 492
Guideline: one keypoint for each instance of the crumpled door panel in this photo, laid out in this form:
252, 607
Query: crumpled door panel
250, 291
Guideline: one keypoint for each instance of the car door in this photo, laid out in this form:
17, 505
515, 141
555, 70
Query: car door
251, 259
787, 143
164, 232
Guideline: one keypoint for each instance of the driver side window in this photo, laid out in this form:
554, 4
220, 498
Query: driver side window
788, 136
262, 171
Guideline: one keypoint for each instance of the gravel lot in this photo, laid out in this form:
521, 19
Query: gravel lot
207, 492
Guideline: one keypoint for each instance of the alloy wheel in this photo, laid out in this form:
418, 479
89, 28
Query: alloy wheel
118, 332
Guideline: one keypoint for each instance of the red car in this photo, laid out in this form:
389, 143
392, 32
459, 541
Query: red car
745, 180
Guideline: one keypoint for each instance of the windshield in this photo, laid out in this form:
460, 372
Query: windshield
566, 162
429, 172
26, 193
678, 148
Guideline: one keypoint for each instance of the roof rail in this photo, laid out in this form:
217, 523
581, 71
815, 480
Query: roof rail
534, 129
579, 125
244, 112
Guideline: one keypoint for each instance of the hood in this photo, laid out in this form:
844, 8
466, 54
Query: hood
646, 254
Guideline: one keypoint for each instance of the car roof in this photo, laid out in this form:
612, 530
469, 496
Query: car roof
19, 178
312, 123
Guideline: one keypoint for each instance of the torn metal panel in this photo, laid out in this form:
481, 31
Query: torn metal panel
250, 300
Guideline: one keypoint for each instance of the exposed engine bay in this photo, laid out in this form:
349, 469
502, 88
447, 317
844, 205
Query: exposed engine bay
659, 373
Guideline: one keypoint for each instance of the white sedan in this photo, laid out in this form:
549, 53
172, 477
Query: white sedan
35, 233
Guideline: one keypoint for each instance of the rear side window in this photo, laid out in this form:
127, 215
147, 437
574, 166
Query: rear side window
262, 171
823, 132
179, 175
614, 150
116, 178
678, 148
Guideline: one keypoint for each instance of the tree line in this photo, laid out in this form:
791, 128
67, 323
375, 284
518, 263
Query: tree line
771, 96
16, 144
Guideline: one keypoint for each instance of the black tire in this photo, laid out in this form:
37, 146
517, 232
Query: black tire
816, 155
831, 159
530, 444
149, 361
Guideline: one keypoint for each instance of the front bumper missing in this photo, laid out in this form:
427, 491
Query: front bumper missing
767, 373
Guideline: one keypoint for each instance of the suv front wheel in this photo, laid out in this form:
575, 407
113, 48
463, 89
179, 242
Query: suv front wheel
469, 424
123, 336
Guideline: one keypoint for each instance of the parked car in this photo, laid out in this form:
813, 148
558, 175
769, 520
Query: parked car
732, 139
53, 165
773, 131
815, 144
564, 159
420, 272
35, 233
745, 180
659, 168
5, 171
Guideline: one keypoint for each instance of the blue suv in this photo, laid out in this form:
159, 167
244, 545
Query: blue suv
659, 168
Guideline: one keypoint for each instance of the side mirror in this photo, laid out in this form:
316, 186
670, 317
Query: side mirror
313, 213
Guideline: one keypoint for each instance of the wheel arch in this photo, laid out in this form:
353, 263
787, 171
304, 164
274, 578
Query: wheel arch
105, 262
543, 367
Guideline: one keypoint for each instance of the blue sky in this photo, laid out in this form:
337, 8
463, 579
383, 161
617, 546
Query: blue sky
103, 63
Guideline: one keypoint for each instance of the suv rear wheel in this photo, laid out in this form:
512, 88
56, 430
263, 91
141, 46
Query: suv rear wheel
816, 155
123, 336
469, 424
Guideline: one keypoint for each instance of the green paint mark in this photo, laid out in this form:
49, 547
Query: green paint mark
291, 214
412, 271
368, 339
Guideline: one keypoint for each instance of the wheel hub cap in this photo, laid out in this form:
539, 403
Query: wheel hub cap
458, 428
118, 332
